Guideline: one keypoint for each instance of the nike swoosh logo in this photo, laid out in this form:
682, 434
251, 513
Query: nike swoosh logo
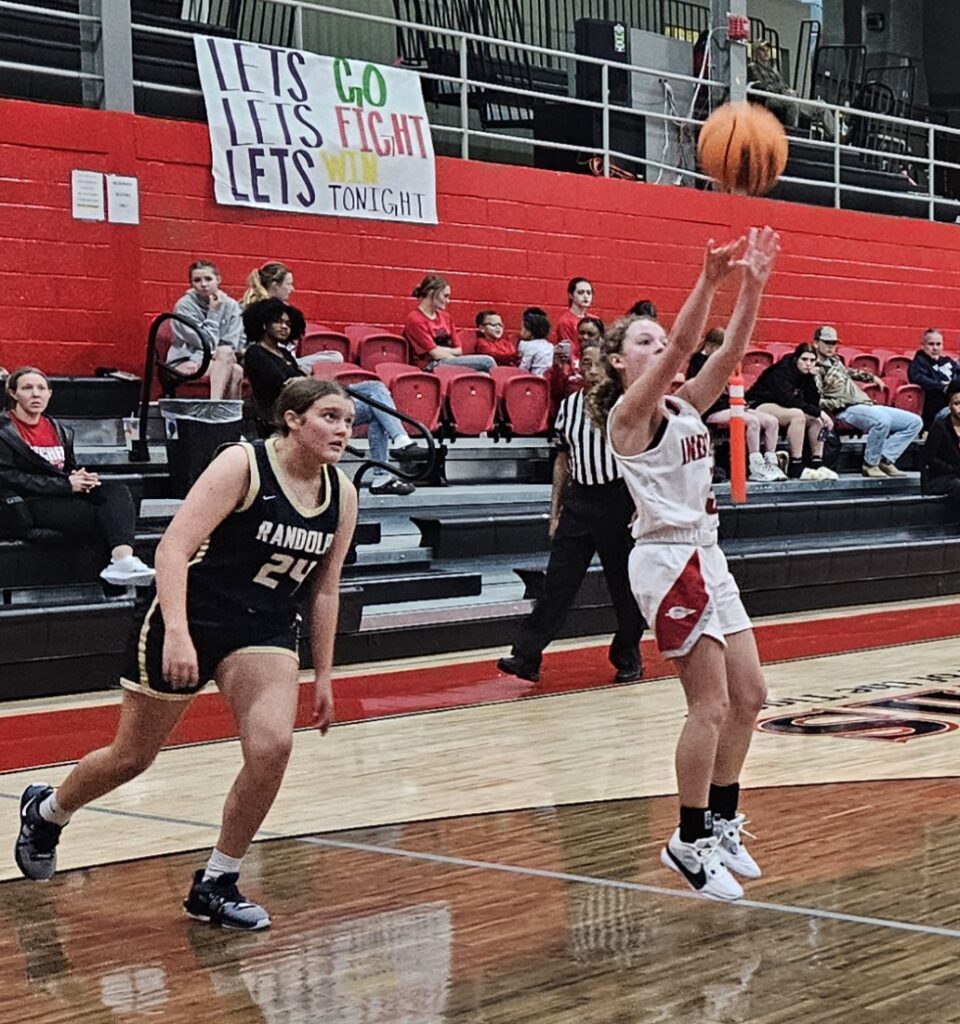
269, 497
698, 879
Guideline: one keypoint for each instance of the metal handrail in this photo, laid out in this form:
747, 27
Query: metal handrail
139, 450
425, 466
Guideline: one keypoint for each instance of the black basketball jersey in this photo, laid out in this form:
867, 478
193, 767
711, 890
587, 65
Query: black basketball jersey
258, 557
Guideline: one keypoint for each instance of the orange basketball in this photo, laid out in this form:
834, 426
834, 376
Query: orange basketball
743, 147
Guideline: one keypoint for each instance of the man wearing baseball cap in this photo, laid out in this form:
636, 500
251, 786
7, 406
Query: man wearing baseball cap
889, 431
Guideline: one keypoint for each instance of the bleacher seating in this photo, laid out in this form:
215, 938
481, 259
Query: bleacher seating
415, 393
470, 399
324, 340
524, 401
909, 397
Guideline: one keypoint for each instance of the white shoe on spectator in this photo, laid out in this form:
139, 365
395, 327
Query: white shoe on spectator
811, 474
776, 473
826, 473
129, 571
759, 470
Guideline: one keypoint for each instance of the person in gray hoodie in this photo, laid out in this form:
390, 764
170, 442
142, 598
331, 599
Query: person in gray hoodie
218, 317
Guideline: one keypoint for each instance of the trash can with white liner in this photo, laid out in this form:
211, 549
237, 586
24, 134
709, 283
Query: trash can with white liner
194, 430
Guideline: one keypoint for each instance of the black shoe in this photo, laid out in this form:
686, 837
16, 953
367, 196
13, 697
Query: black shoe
632, 674
393, 486
514, 666
408, 450
219, 902
36, 848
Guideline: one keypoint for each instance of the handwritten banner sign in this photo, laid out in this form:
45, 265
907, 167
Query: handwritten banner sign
309, 134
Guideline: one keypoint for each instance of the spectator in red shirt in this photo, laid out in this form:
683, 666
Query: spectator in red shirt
429, 330
579, 296
491, 341
43, 489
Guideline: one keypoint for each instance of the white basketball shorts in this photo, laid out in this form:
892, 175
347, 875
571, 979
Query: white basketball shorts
686, 592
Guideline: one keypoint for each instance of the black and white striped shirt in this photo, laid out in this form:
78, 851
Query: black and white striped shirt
590, 460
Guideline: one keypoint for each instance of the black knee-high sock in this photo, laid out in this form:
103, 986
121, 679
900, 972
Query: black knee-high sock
724, 800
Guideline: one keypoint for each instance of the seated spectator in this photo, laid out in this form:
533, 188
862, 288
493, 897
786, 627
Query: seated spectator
941, 453
788, 391
42, 487
763, 74
762, 465
269, 365
271, 281
430, 332
934, 372
218, 316
644, 308
579, 300
535, 348
889, 431
490, 339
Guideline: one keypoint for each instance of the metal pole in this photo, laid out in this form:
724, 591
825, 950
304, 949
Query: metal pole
605, 116
464, 101
932, 208
298, 27
108, 50
836, 158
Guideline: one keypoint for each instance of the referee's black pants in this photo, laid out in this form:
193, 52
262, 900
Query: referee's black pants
593, 520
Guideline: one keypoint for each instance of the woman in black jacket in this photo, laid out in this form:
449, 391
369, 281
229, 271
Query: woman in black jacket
789, 391
941, 453
43, 488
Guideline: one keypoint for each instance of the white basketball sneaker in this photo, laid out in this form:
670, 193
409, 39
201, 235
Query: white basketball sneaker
732, 851
701, 865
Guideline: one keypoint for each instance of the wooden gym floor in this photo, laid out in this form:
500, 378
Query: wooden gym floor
471, 849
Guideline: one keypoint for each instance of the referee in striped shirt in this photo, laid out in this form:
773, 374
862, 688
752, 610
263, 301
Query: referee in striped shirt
590, 513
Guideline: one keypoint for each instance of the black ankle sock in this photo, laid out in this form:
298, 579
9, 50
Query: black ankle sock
795, 469
816, 463
724, 799
695, 823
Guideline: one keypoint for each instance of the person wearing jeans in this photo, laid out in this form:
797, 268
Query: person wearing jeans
889, 431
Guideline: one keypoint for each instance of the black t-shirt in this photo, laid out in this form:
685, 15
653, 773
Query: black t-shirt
268, 372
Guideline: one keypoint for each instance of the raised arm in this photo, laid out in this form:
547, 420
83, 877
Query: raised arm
756, 266
638, 415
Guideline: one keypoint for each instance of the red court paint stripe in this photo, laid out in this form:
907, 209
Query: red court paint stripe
48, 737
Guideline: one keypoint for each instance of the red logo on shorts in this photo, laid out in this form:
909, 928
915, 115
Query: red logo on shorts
682, 607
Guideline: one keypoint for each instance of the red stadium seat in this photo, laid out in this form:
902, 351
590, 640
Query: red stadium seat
324, 341
895, 369
168, 383
524, 400
909, 397
343, 373
879, 393
414, 392
867, 361
471, 399
755, 361
381, 347
779, 349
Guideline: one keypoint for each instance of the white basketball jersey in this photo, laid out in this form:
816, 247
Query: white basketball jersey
671, 483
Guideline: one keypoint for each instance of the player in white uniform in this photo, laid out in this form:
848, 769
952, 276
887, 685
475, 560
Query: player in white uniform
678, 573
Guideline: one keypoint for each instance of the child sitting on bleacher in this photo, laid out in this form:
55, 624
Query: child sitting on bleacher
491, 341
535, 348
44, 490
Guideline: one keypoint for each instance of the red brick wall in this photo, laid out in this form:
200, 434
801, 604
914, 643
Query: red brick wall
78, 295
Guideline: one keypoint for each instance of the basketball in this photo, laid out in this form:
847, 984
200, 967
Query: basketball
743, 147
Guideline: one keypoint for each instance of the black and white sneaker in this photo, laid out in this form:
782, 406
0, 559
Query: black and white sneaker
36, 847
733, 853
701, 865
392, 486
220, 903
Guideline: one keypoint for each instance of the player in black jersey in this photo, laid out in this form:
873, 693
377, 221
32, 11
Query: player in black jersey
261, 519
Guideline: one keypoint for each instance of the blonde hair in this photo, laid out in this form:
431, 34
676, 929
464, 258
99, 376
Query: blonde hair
259, 280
